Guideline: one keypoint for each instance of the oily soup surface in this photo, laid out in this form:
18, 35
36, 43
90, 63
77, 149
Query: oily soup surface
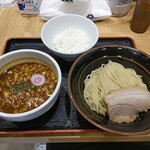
26, 86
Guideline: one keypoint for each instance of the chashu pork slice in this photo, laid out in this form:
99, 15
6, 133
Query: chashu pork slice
125, 104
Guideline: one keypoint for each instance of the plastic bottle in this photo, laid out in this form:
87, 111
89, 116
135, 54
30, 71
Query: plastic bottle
141, 17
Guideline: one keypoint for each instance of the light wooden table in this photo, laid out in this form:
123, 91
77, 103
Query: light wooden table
13, 24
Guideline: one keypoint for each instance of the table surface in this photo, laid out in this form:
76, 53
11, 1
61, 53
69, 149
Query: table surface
14, 25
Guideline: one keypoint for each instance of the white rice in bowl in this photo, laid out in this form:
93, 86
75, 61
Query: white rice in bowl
71, 41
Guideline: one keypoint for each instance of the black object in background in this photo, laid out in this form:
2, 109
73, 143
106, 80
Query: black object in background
100, 146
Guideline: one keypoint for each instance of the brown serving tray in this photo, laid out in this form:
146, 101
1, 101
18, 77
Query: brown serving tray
63, 116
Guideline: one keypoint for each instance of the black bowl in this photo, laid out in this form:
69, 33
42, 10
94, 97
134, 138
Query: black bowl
92, 59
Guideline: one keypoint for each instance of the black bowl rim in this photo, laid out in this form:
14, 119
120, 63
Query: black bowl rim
147, 131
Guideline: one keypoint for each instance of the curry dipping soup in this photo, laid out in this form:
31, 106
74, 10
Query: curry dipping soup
25, 84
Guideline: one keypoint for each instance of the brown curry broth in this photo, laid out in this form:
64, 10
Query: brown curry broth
31, 96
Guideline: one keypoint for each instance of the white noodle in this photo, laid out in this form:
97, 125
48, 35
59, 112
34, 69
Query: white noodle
109, 77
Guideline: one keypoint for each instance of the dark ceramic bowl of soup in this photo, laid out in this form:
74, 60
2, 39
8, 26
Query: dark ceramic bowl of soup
30, 83
103, 70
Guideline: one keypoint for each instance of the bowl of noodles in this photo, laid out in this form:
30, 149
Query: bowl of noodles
110, 88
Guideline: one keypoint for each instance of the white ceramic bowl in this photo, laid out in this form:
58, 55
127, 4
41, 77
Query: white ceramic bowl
34, 113
58, 24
